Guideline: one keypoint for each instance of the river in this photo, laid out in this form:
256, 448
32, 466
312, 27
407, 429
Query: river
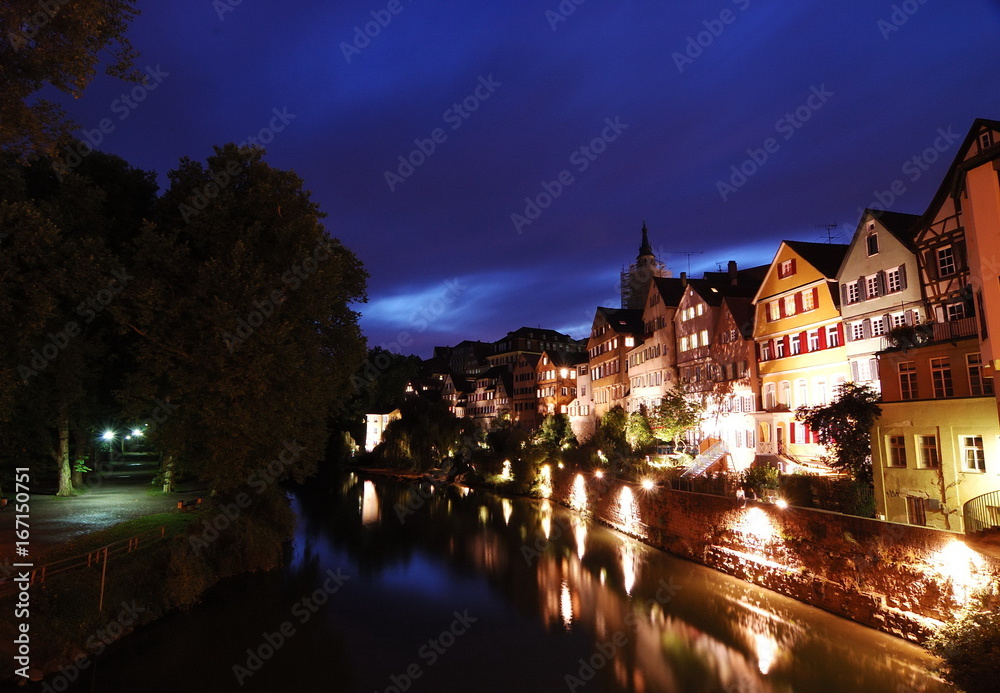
394, 587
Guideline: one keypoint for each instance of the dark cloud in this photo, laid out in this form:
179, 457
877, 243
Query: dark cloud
889, 91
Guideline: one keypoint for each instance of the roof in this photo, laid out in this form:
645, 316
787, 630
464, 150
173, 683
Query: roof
825, 257
742, 310
566, 358
538, 333
623, 320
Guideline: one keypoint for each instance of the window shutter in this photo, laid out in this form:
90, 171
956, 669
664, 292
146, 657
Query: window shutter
854, 371
930, 264
886, 324
850, 334
863, 289
804, 342
911, 317
882, 289
873, 368
866, 326
902, 276
822, 337
960, 262
815, 291
840, 331
843, 294
798, 301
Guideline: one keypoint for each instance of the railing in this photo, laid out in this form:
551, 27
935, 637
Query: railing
918, 335
705, 460
982, 513
943, 331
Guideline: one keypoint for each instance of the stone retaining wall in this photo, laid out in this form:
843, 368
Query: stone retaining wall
897, 578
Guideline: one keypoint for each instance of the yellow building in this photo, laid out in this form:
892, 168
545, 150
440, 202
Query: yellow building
800, 347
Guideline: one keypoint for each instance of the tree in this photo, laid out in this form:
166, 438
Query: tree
844, 427
55, 44
555, 432
241, 306
676, 414
970, 645
425, 435
638, 432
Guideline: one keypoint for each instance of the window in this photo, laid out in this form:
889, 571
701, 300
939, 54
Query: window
801, 393
786, 393
765, 352
832, 336
813, 337
878, 327
821, 394
871, 286
630, 341
986, 139
908, 380
872, 241
700, 309
853, 292
929, 457
893, 281
770, 396
684, 343
946, 261
973, 454
789, 304
795, 346
954, 311
773, 311
857, 331
916, 513
897, 451
808, 303
899, 320
786, 268
941, 377
779, 348
979, 382
704, 338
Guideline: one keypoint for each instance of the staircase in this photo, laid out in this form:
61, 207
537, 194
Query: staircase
704, 460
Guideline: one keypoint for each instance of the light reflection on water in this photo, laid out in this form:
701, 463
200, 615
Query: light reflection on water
557, 600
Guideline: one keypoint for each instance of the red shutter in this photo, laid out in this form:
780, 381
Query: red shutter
788, 344
791, 433
781, 307
793, 267
804, 342
840, 332
815, 291
798, 302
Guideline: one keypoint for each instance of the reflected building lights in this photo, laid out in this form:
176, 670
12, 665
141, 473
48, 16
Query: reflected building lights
566, 605
579, 534
546, 516
508, 508
628, 513
578, 498
630, 564
767, 652
369, 505
484, 515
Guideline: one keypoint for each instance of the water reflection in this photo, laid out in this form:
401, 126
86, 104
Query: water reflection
558, 600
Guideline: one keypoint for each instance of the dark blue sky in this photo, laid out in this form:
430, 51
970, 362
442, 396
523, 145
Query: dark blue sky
866, 91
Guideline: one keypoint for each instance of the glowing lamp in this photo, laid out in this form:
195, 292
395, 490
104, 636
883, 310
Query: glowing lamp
599, 474
647, 484
108, 435
781, 503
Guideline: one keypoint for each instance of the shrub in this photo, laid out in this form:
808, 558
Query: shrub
970, 645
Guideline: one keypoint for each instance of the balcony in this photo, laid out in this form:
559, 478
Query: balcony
910, 336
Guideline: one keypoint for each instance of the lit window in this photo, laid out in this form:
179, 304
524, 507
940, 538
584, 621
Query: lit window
795, 345
871, 286
941, 377
704, 338
878, 327
899, 320
897, 451
908, 380
929, 457
801, 393
857, 331
786, 393
807, 300
789, 305
853, 292
779, 349
954, 311
946, 261
979, 382
832, 336
813, 340
684, 343
973, 454
773, 311
893, 281
700, 309
786, 269
630, 341
765, 352
872, 243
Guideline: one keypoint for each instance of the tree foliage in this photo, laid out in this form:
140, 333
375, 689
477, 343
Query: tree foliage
424, 436
970, 645
55, 44
555, 433
844, 427
676, 414
638, 432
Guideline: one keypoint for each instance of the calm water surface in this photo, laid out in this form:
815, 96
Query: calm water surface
471, 592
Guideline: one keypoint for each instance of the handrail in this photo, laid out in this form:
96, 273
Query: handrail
704, 460
982, 513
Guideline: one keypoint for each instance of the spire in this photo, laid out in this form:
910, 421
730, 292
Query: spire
645, 248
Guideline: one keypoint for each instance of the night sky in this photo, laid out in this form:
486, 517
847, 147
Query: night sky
844, 95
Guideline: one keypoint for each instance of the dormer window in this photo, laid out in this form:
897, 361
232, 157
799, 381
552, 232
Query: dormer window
985, 139
872, 241
786, 268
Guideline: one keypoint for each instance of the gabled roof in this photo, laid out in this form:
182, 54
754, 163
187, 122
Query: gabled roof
530, 358
622, 320
538, 333
750, 275
713, 293
566, 359
742, 310
903, 226
671, 289
825, 257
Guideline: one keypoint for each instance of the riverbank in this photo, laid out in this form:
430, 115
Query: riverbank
901, 579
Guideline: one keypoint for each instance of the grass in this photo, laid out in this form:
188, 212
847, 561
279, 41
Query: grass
174, 522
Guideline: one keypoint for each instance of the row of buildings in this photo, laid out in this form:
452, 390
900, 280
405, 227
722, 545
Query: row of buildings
908, 307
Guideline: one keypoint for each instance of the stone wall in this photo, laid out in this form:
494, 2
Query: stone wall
897, 578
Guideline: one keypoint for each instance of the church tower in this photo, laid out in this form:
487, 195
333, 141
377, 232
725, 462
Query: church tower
635, 280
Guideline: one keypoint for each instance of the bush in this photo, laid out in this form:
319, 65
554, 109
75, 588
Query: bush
970, 645
760, 479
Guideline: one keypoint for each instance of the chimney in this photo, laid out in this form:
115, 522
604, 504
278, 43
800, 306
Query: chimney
732, 272
684, 279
